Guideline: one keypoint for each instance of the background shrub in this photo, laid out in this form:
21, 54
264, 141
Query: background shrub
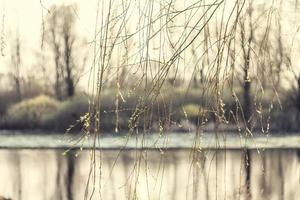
67, 114
31, 113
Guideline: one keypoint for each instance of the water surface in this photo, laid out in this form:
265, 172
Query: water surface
31, 171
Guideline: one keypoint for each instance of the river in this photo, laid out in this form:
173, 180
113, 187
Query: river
173, 167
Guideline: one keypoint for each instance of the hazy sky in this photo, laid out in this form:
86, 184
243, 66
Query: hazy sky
26, 16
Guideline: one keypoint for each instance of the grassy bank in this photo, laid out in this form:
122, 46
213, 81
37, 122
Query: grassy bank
173, 110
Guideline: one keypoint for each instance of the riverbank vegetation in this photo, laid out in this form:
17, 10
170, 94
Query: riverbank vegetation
222, 66
177, 110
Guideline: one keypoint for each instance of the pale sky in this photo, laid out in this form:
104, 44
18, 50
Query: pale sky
26, 17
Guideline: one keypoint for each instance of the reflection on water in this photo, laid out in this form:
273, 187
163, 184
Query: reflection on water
174, 175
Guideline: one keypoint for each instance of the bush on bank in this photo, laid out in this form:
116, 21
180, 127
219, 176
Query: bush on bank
174, 110
31, 113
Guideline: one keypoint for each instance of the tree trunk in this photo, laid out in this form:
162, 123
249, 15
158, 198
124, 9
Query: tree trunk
70, 86
57, 86
68, 64
247, 110
298, 95
18, 88
247, 102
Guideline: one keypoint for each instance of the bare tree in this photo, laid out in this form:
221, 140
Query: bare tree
16, 64
68, 40
295, 97
62, 38
53, 41
247, 37
246, 42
